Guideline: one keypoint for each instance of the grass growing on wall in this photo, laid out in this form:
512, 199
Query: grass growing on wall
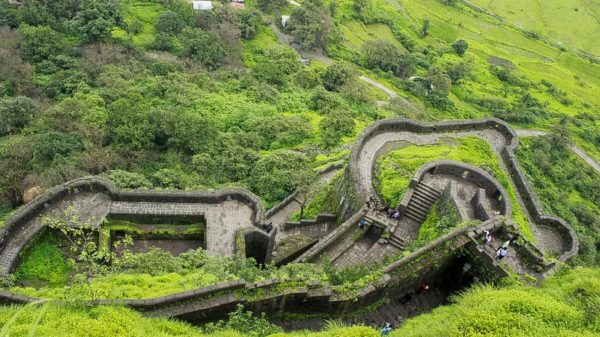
395, 169
44, 262
443, 217
566, 304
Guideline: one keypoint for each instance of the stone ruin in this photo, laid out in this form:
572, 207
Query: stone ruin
234, 223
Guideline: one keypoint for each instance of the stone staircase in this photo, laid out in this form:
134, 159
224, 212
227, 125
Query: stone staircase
397, 242
422, 199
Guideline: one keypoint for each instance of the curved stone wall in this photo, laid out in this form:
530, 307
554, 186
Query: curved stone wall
15, 225
474, 174
524, 189
275, 296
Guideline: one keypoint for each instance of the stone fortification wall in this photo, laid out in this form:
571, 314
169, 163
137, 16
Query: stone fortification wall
471, 173
534, 207
275, 296
524, 189
15, 226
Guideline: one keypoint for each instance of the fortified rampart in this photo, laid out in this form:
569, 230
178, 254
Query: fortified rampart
301, 296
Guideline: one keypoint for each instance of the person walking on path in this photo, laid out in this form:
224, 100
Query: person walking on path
362, 223
487, 238
387, 328
502, 252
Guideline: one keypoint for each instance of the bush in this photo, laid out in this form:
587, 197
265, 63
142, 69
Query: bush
15, 114
250, 21
41, 43
276, 65
203, 46
381, 54
311, 25
128, 180
96, 19
335, 125
154, 262
337, 75
278, 174
244, 322
460, 47
169, 23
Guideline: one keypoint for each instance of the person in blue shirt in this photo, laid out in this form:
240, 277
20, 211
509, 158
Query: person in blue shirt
362, 223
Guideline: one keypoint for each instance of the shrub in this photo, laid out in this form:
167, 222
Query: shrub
169, 23
244, 322
203, 46
128, 180
337, 75
460, 47
15, 114
335, 125
311, 25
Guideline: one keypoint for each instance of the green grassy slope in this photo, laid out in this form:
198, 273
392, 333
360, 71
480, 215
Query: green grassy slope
575, 23
567, 304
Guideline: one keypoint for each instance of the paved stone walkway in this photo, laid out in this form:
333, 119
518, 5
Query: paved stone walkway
279, 218
90, 207
548, 240
223, 220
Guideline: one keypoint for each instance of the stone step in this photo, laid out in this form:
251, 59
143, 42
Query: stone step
414, 217
420, 206
425, 204
425, 196
419, 215
419, 210
424, 186
397, 242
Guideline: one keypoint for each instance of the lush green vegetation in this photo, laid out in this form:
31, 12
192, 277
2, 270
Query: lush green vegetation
395, 169
567, 187
577, 27
45, 261
154, 95
566, 304
441, 219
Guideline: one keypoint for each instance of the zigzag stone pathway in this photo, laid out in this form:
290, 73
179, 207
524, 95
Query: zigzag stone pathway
384, 142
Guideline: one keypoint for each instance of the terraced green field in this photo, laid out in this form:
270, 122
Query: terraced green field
575, 23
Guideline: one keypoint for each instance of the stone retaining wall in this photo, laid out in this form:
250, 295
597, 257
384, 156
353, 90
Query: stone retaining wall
507, 154
102, 185
321, 218
315, 250
275, 296
471, 173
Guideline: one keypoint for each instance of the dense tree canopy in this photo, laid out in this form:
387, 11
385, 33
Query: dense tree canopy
311, 24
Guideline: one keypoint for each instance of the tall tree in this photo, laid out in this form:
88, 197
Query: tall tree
96, 19
203, 46
311, 25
